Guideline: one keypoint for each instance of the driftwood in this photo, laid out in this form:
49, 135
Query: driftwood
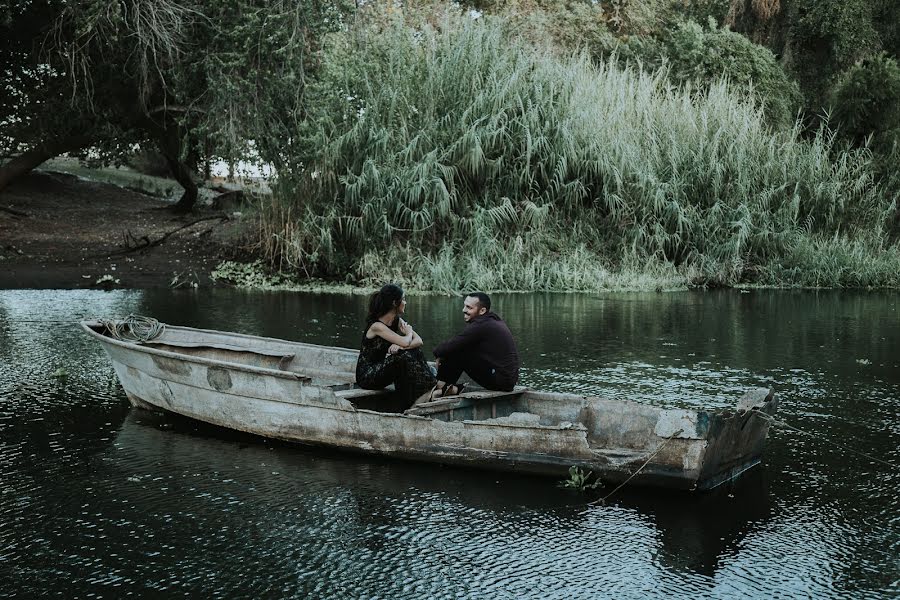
145, 242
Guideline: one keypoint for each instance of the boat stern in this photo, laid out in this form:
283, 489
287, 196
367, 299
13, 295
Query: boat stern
735, 440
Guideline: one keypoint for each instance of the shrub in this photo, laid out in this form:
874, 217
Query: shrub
866, 100
704, 56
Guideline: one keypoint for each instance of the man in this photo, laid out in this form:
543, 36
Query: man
485, 350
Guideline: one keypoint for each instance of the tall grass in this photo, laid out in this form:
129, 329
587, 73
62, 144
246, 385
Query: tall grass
455, 155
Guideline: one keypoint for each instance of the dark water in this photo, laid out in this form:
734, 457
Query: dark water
99, 500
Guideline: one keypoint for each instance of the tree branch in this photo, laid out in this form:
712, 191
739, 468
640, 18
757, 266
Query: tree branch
148, 243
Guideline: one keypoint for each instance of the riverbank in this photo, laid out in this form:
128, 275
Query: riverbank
99, 229
110, 228
59, 231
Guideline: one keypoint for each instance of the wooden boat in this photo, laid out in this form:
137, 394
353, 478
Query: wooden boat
306, 393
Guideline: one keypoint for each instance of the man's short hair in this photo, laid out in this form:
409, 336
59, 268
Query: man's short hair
483, 299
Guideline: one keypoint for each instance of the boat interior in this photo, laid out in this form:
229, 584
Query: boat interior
334, 368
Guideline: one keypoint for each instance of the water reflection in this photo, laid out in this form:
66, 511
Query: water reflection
388, 511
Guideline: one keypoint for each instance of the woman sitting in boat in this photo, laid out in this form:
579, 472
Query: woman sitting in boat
390, 351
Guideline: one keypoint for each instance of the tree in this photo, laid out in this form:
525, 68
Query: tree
816, 40
33, 128
196, 79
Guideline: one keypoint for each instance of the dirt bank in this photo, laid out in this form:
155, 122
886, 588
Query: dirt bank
59, 231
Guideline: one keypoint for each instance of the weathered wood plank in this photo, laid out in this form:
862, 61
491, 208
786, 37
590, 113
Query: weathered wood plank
463, 400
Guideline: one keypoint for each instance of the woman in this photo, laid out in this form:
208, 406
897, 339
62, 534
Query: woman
390, 351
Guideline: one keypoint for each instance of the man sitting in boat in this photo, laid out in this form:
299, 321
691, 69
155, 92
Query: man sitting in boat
484, 350
390, 351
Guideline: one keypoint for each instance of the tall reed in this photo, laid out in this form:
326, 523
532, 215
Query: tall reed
467, 157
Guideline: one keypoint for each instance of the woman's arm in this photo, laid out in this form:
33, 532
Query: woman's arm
406, 328
383, 331
416, 341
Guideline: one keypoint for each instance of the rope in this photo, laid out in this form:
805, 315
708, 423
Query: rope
772, 420
602, 501
39, 321
133, 328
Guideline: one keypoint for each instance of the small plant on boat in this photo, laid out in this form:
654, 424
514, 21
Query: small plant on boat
578, 479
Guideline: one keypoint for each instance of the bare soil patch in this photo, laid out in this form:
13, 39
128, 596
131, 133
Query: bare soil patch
59, 231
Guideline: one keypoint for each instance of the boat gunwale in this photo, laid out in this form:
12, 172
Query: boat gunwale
291, 375
219, 332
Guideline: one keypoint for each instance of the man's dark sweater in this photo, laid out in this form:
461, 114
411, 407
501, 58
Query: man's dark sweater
486, 340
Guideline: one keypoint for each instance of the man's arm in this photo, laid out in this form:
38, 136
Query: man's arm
467, 337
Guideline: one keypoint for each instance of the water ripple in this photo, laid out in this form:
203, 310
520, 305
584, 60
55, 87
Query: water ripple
97, 499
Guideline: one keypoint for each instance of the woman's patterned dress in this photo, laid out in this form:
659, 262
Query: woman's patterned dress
407, 369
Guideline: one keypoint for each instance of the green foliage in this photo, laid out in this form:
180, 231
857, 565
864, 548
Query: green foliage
886, 19
517, 265
827, 36
253, 275
570, 25
702, 10
866, 101
866, 111
706, 55
586, 17
247, 79
844, 29
578, 480
200, 79
460, 145
835, 262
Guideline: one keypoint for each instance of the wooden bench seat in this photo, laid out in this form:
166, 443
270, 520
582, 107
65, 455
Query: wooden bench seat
463, 400
355, 393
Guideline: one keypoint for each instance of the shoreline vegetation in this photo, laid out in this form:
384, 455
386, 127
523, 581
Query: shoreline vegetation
451, 148
464, 158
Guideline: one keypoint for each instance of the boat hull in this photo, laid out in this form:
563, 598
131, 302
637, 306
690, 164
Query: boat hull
530, 432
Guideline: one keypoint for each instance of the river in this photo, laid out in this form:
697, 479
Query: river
101, 500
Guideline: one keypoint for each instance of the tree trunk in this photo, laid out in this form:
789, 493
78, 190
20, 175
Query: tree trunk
183, 176
30, 159
170, 145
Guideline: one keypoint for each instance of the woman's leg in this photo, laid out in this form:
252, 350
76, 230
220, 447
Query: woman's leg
414, 378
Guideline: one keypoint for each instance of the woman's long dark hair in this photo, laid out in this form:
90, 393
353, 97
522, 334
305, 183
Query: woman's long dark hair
382, 301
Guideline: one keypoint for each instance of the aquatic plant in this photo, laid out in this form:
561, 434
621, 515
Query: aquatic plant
253, 275
579, 480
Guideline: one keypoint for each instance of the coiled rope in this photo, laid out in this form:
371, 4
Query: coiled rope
134, 328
